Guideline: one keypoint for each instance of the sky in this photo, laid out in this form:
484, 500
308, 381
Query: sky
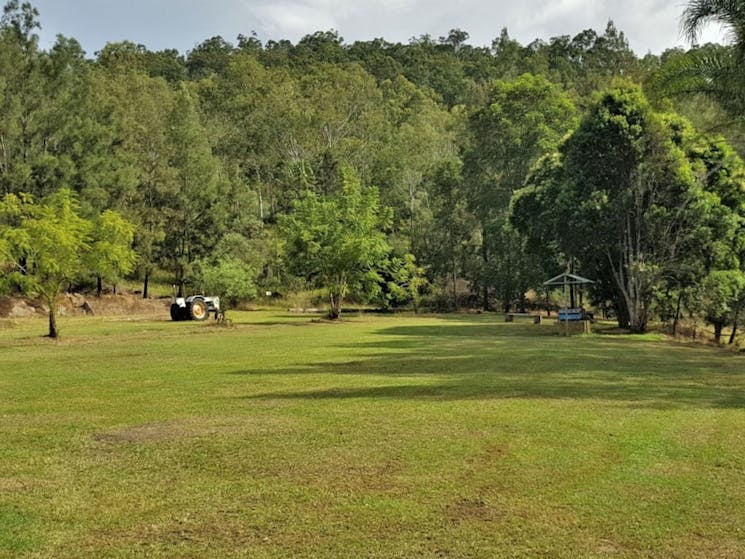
649, 25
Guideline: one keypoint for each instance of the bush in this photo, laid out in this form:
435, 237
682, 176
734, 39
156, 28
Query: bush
232, 280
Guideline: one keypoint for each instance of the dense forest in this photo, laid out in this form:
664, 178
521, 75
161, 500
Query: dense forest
432, 174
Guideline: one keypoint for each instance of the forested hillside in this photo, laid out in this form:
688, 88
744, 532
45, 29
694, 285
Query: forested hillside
429, 173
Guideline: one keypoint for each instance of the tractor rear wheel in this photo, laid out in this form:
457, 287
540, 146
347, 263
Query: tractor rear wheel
198, 310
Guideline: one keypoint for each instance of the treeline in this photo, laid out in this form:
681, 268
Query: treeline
394, 173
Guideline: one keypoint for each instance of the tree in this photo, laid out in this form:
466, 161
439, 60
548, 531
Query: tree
144, 178
231, 279
45, 246
110, 255
722, 294
402, 282
522, 120
210, 57
448, 244
624, 199
22, 102
230, 269
728, 13
418, 137
194, 216
337, 241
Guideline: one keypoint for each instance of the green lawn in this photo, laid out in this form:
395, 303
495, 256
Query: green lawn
385, 437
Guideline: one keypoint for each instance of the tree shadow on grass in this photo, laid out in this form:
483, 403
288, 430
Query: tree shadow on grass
454, 362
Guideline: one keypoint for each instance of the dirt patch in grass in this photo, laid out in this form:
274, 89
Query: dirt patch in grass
17, 485
162, 431
465, 510
203, 537
151, 432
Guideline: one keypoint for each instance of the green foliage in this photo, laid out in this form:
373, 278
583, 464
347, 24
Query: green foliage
625, 199
225, 143
44, 243
450, 242
337, 241
110, 256
403, 282
521, 121
231, 279
722, 293
712, 70
45, 246
194, 216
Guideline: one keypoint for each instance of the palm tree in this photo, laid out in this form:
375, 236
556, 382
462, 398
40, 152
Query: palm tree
713, 70
730, 14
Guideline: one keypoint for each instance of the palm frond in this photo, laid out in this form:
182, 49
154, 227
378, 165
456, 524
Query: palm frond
728, 13
713, 72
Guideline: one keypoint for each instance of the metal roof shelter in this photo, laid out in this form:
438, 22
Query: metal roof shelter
566, 280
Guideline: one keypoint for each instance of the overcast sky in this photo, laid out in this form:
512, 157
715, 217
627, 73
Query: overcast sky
650, 25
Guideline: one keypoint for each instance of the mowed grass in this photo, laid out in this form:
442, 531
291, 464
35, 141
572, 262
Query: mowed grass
458, 437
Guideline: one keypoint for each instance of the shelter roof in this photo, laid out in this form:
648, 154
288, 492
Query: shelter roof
568, 279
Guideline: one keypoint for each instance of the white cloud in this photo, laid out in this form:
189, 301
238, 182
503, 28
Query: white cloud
648, 24
281, 20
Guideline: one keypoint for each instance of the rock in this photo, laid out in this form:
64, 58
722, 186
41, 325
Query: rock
21, 309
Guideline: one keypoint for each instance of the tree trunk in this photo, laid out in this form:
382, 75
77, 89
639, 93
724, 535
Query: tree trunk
622, 315
718, 331
735, 320
485, 258
53, 331
335, 310
145, 285
336, 296
455, 285
99, 286
676, 321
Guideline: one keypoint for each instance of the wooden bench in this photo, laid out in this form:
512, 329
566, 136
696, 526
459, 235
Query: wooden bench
511, 316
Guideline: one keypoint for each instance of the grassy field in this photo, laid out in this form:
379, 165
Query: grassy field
456, 437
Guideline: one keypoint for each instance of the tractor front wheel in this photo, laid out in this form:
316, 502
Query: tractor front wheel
176, 312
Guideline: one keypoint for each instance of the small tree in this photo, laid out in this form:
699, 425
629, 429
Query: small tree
337, 241
232, 279
721, 294
403, 282
45, 246
111, 255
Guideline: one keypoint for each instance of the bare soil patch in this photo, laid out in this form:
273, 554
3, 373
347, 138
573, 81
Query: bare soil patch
76, 304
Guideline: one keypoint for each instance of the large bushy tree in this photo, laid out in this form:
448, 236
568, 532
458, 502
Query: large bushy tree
624, 198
